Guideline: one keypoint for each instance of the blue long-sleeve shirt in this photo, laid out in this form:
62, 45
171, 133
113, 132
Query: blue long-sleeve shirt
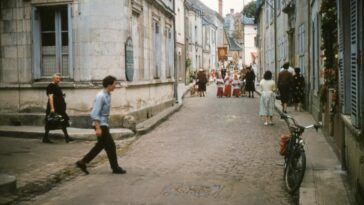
101, 108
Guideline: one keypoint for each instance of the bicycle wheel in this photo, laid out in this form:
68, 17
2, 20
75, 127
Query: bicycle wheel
295, 170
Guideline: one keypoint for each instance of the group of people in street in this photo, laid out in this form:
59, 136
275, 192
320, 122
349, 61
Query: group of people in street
236, 84
290, 87
290, 90
100, 116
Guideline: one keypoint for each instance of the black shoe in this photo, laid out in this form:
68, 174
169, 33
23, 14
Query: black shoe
46, 140
69, 139
119, 170
82, 166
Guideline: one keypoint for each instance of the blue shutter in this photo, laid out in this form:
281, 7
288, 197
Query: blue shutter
36, 43
341, 58
354, 63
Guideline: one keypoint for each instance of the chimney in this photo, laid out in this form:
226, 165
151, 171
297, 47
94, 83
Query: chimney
220, 7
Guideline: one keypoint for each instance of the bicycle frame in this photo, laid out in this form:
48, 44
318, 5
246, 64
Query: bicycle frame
295, 153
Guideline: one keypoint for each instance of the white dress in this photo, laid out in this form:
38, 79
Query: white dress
267, 99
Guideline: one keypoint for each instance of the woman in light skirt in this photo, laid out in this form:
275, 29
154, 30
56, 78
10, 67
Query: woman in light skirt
267, 99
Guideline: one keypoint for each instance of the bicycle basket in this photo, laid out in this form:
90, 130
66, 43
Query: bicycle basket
283, 142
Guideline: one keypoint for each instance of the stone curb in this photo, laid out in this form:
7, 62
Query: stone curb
31, 132
148, 125
7, 184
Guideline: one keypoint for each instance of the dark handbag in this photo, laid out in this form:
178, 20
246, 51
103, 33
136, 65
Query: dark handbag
54, 121
278, 96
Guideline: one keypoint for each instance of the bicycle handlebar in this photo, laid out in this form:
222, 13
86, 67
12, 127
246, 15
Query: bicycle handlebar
287, 117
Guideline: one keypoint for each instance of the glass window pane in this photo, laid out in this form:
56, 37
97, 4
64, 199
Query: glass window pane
48, 39
47, 18
64, 38
64, 18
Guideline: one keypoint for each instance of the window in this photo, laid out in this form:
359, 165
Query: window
169, 52
52, 41
157, 51
137, 46
301, 47
314, 55
278, 5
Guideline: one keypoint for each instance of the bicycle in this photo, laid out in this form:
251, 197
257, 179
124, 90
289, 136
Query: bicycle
294, 154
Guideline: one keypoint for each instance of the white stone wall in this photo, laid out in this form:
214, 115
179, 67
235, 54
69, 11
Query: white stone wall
180, 21
99, 30
250, 32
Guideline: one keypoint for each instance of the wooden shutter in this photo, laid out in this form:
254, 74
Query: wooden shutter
354, 63
341, 56
36, 43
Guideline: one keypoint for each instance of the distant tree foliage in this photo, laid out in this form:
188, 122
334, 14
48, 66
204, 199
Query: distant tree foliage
250, 9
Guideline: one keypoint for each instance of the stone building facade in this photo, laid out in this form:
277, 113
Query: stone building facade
85, 41
299, 41
182, 73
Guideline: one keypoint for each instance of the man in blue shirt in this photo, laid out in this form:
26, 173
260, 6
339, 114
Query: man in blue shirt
100, 117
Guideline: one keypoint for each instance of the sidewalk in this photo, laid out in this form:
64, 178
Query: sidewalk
39, 167
324, 181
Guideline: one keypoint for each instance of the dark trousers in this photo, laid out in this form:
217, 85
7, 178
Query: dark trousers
105, 141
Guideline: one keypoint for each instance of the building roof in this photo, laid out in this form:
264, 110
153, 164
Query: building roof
246, 20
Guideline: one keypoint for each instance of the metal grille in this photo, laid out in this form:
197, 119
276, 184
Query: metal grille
49, 60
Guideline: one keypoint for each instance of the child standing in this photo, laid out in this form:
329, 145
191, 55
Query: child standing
227, 89
220, 87
236, 86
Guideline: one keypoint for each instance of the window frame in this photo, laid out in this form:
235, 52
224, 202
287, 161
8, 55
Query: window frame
37, 69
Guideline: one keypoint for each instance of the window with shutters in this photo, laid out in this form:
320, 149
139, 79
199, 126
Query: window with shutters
157, 49
137, 46
354, 63
301, 47
350, 75
52, 41
169, 52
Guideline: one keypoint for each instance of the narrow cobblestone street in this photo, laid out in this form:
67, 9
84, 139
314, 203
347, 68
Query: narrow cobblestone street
213, 151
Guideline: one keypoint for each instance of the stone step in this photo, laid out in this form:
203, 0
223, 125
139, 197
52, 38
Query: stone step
7, 184
37, 132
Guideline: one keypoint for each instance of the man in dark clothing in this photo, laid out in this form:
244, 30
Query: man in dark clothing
100, 116
202, 80
250, 85
223, 72
285, 79
56, 105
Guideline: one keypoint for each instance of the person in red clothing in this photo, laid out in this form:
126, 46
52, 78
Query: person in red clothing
227, 88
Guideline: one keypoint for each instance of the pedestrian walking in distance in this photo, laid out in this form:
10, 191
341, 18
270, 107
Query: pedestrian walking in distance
227, 87
250, 78
267, 99
298, 89
100, 117
202, 81
236, 86
56, 105
284, 86
220, 86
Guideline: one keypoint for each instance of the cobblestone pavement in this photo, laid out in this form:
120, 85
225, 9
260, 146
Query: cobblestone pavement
213, 151
38, 167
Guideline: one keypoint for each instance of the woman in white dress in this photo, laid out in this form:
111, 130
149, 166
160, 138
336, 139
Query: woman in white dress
267, 99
